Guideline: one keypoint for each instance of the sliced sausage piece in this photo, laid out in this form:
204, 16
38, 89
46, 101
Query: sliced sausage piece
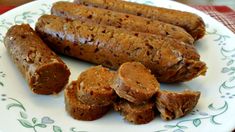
111, 47
174, 105
135, 83
192, 23
120, 20
45, 72
138, 114
79, 110
93, 86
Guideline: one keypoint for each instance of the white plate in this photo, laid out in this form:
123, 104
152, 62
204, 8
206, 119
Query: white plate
21, 110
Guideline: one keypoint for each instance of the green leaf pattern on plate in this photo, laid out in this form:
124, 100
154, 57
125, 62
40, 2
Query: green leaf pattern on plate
33, 124
196, 122
15, 103
73, 129
25, 17
57, 129
34, 120
228, 56
23, 115
2, 76
25, 123
41, 125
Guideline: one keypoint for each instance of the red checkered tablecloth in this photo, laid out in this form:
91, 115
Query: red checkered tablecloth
223, 14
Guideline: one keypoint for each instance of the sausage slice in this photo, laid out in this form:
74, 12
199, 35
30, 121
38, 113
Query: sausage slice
135, 83
138, 114
93, 86
79, 110
174, 105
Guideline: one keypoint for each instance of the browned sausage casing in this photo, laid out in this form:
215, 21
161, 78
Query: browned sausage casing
192, 23
170, 60
120, 20
43, 69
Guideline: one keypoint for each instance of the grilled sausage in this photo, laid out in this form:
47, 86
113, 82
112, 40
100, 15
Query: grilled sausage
170, 60
120, 20
192, 23
45, 72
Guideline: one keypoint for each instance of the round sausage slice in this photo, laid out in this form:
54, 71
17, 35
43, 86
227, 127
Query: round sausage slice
45, 72
135, 83
94, 86
79, 110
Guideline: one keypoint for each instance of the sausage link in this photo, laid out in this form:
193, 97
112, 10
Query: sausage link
192, 23
111, 47
120, 20
45, 72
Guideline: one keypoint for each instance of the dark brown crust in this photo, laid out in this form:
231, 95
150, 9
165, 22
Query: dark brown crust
79, 110
93, 86
138, 114
192, 23
174, 105
120, 20
45, 72
135, 83
111, 47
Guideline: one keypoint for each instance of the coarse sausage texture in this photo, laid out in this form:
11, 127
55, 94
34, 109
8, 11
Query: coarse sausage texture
173, 105
138, 114
93, 86
191, 22
135, 83
79, 110
120, 20
44, 71
168, 59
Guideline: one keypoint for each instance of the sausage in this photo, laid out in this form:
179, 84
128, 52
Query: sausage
192, 23
93, 86
120, 20
138, 114
135, 83
45, 72
167, 58
79, 110
174, 105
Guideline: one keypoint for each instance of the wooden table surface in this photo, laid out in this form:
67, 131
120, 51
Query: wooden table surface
230, 3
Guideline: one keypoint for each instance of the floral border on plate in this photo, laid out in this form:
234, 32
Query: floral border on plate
224, 90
